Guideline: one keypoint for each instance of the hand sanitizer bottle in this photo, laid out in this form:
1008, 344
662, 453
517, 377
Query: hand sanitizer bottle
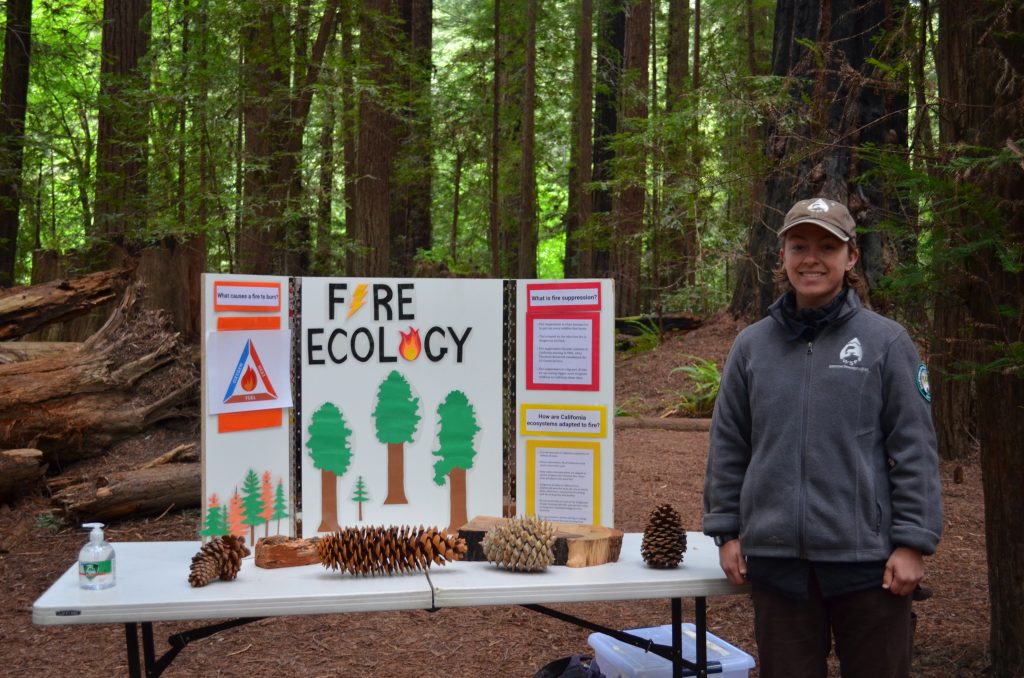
96, 560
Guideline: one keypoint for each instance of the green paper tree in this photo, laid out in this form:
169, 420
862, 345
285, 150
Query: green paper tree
252, 505
397, 418
360, 495
280, 505
216, 521
457, 430
331, 452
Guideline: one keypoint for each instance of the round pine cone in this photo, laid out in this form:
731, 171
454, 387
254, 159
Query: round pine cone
220, 557
664, 539
386, 550
522, 544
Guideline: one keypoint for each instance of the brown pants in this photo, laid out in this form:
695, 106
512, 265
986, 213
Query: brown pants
872, 633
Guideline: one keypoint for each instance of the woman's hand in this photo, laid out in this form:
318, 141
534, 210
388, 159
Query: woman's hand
903, 571
730, 557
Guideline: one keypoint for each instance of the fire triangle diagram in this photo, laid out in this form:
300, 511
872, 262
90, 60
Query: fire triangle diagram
250, 379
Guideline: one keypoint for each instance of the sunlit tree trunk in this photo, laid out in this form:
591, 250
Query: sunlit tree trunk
578, 252
13, 104
494, 159
528, 235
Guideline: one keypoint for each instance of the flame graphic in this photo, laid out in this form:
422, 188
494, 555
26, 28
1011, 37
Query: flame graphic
410, 345
248, 379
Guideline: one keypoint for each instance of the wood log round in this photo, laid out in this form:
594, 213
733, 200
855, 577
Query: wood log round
20, 472
142, 492
575, 545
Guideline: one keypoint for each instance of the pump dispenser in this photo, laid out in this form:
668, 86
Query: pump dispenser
96, 560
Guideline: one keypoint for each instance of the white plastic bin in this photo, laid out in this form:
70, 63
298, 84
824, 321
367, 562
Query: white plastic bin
620, 660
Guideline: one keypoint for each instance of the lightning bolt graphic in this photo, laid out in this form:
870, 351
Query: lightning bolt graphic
358, 299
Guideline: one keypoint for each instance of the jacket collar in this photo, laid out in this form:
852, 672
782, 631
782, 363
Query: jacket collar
793, 329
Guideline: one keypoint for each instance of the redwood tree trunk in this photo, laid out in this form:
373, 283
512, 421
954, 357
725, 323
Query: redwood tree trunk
611, 37
328, 502
577, 253
457, 499
528, 235
396, 474
13, 103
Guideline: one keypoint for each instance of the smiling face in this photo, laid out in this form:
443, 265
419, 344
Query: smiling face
816, 263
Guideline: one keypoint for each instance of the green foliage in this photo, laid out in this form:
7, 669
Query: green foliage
280, 502
216, 522
458, 428
697, 399
252, 504
396, 414
648, 335
360, 494
328, 442
49, 521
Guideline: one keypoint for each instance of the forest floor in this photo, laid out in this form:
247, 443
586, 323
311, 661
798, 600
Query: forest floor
652, 466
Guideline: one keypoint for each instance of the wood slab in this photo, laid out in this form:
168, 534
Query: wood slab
278, 551
575, 545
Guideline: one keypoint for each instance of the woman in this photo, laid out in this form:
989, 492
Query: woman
822, 486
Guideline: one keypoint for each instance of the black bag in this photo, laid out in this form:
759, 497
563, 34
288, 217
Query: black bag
576, 666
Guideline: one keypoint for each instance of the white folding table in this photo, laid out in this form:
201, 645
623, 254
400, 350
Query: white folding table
152, 586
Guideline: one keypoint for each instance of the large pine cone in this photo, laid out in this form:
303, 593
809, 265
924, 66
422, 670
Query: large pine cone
522, 544
220, 557
664, 539
386, 550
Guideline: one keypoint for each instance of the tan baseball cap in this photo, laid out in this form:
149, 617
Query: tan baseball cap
829, 214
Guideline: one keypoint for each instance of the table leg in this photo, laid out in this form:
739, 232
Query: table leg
148, 654
701, 619
131, 638
677, 638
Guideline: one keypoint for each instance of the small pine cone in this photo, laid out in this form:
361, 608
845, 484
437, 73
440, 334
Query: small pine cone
387, 550
664, 539
220, 557
522, 544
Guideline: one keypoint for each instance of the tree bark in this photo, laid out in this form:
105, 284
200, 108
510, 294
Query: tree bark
20, 470
528, 235
123, 379
628, 201
611, 38
137, 493
27, 309
981, 81
396, 474
493, 225
13, 105
577, 253
20, 351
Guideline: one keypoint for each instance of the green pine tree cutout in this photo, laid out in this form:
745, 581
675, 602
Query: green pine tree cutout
280, 505
397, 418
360, 495
252, 504
216, 522
457, 430
331, 452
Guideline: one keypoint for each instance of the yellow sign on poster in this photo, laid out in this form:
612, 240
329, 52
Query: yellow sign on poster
576, 421
563, 481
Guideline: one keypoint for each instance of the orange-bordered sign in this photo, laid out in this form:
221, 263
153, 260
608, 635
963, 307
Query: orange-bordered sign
251, 297
228, 422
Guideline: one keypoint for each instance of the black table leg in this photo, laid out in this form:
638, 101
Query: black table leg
148, 654
702, 635
677, 638
131, 638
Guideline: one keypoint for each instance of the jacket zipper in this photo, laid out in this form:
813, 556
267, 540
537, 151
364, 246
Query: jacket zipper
803, 449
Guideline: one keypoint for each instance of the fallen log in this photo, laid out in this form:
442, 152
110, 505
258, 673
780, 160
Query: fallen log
664, 423
26, 309
20, 471
142, 492
127, 376
20, 351
575, 545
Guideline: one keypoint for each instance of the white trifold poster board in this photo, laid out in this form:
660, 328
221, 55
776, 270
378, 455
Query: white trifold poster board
346, 402
401, 402
565, 400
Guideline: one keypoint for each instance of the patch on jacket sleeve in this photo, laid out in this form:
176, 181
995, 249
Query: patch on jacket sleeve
923, 387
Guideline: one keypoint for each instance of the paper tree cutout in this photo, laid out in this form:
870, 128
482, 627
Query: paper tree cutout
216, 522
252, 504
266, 502
280, 505
236, 526
331, 452
397, 417
360, 495
458, 428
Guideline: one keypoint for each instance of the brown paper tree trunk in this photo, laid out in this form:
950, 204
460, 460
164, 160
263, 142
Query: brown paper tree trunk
457, 499
396, 474
328, 502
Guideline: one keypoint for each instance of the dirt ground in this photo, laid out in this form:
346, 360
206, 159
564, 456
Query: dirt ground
651, 466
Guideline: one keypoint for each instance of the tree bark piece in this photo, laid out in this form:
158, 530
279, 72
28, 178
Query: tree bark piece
186, 453
21, 351
575, 545
281, 551
25, 309
142, 492
20, 470
130, 374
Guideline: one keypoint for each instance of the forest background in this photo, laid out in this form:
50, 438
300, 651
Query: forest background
656, 143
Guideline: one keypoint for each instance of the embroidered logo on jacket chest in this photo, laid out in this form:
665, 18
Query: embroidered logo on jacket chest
851, 355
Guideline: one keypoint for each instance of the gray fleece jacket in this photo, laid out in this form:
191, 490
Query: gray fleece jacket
824, 450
